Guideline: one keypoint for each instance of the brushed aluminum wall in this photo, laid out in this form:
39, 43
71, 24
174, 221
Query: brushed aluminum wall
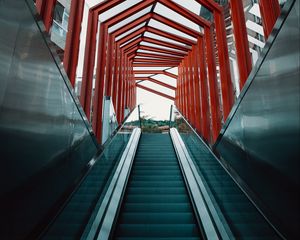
44, 142
261, 140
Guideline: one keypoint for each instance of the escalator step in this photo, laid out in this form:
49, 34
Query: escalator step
156, 190
157, 207
158, 230
156, 204
157, 218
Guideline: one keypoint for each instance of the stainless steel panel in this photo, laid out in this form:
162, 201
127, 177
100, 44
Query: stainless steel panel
45, 142
261, 140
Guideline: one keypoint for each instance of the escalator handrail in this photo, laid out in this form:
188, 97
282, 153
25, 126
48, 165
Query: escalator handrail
86, 172
208, 217
108, 209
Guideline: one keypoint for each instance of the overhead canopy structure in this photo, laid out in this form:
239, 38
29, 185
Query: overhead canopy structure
130, 43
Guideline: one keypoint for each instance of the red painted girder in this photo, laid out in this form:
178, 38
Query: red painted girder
89, 62
90, 52
154, 65
140, 78
131, 35
270, 11
160, 83
73, 39
128, 12
152, 60
225, 76
198, 117
148, 72
213, 84
45, 8
185, 13
166, 44
99, 83
132, 24
160, 50
159, 56
155, 92
170, 74
191, 89
210, 5
241, 40
176, 25
105, 5
131, 44
171, 36
204, 107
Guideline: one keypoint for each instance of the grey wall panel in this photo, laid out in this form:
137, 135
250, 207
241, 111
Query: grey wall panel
261, 139
44, 142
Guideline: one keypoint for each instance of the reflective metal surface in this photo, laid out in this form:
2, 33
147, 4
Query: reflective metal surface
261, 139
195, 186
45, 142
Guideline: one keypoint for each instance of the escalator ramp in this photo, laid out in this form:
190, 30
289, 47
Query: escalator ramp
156, 203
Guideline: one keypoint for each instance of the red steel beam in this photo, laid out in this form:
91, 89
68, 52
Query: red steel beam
191, 89
170, 36
270, 11
131, 35
200, 59
241, 40
73, 40
160, 50
89, 62
225, 76
195, 64
90, 53
160, 83
45, 8
155, 64
103, 73
185, 13
148, 72
159, 56
155, 92
166, 44
213, 84
170, 74
178, 26
155, 60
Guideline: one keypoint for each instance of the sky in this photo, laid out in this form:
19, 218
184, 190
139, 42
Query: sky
153, 106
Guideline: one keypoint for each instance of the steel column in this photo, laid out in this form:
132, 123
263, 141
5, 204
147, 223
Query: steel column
89, 63
46, 8
198, 118
213, 89
226, 84
241, 40
270, 11
200, 57
73, 40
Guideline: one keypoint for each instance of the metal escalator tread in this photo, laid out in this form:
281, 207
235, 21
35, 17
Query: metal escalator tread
156, 204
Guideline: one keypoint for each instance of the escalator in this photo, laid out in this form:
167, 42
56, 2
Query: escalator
74, 217
244, 219
157, 198
156, 202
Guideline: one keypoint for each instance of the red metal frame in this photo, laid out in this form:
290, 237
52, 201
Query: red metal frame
241, 40
45, 8
155, 92
73, 40
196, 61
270, 11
